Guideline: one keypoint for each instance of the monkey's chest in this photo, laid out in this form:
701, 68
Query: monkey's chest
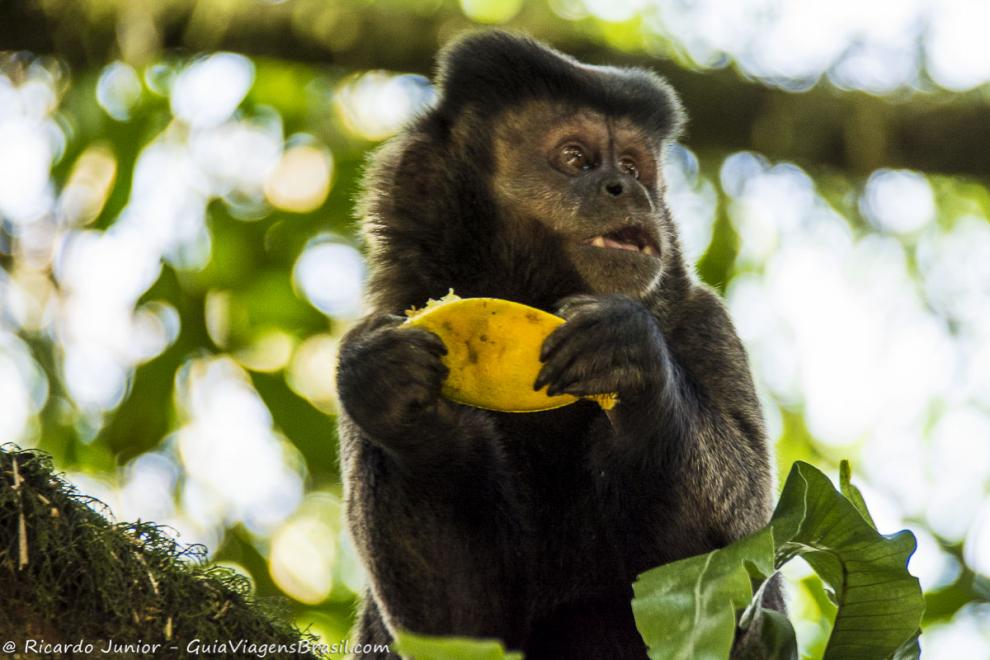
571, 529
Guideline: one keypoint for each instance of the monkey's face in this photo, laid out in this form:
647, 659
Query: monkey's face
594, 181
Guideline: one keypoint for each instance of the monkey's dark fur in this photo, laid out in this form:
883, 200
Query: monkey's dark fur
531, 528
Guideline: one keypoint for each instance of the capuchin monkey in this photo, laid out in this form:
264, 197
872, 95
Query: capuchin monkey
539, 179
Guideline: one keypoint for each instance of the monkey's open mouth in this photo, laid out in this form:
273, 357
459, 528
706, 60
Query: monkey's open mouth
633, 239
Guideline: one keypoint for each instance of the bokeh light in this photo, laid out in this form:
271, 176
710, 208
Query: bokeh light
23, 389
270, 350
311, 373
958, 53
88, 187
331, 276
900, 202
693, 201
118, 90
965, 636
301, 181
304, 549
208, 91
238, 468
375, 105
29, 138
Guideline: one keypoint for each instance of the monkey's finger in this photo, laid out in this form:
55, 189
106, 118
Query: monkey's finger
587, 333
592, 387
426, 340
580, 354
424, 364
568, 306
621, 376
431, 382
577, 326
420, 397
404, 364
588, 375
418, 380
581, 388
406, 348
595, 374
397, 357
580, 341
552, 368
379, 321
547, 375
600, 356
404, 341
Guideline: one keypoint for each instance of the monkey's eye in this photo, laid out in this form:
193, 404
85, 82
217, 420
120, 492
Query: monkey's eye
573, 156
627, 166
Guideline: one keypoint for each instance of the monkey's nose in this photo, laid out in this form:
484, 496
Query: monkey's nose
613, 188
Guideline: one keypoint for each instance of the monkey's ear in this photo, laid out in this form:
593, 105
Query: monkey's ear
492, 70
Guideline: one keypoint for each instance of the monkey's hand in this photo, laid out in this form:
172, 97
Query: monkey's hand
608, 344
389, 378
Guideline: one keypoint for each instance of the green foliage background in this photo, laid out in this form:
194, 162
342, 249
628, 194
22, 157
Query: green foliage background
242, 301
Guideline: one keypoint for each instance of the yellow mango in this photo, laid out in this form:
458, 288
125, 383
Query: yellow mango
493, 352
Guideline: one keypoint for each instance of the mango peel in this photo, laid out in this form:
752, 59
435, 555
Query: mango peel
493, 352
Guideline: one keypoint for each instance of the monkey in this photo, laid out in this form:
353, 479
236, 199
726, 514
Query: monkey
537, 178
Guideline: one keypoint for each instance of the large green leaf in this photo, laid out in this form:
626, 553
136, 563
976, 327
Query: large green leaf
422, 647
687, 609
879, 603
852, 493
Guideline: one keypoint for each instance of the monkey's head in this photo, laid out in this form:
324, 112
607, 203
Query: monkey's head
594, 180
533, 177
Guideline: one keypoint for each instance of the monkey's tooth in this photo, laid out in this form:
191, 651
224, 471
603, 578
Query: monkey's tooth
648, 249
598, 241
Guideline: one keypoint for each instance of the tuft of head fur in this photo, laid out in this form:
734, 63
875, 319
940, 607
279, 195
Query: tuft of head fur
491, 70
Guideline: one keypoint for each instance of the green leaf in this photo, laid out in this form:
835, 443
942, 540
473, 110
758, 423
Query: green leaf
909, 650
775, 639
852, 493
778, 636
775, 636
879, 603
423, 647
687, 609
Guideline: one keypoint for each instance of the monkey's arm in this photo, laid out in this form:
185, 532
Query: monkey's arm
428, 498
687, 417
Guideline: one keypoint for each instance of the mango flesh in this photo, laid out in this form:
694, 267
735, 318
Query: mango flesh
493, 352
